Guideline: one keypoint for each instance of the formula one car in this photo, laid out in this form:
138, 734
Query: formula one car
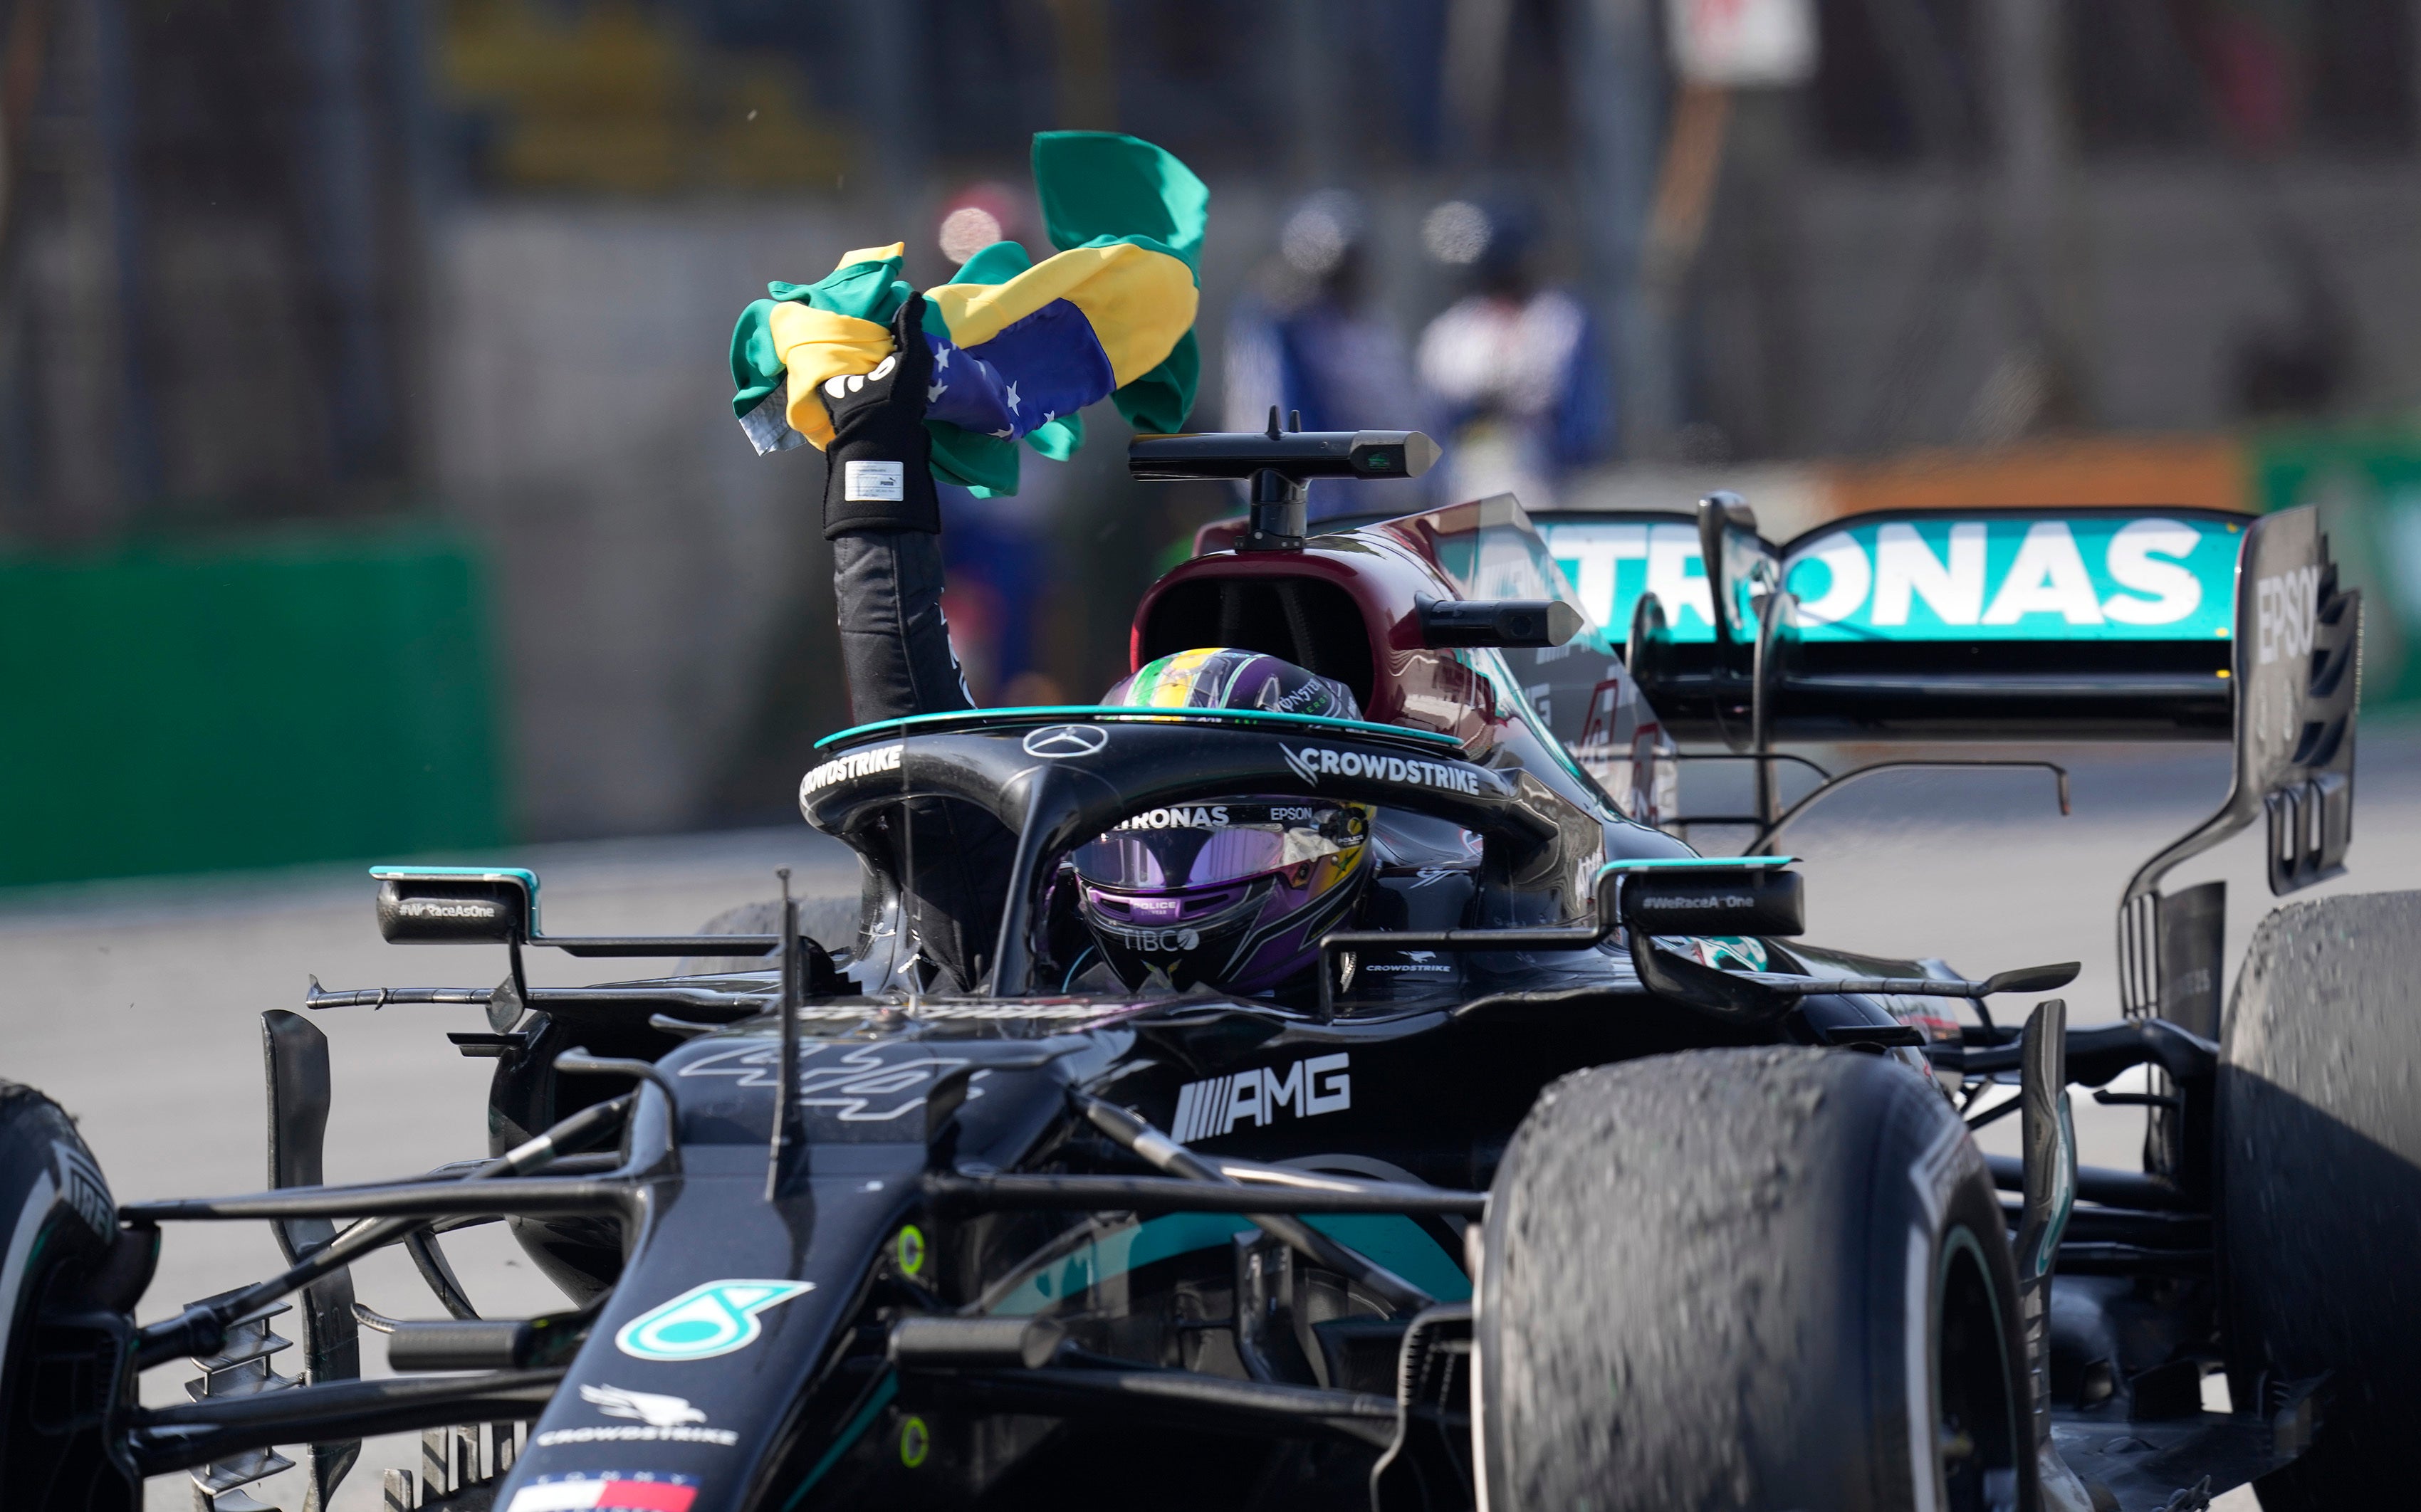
1570, 1177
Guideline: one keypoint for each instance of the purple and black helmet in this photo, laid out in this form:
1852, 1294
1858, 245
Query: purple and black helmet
1234, 893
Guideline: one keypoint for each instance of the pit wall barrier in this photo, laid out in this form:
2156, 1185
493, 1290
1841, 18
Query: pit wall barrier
294, 696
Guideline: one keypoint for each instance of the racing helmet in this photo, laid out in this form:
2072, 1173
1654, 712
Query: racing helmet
1232, 892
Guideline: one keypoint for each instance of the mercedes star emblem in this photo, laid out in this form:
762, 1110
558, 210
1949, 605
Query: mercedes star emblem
1056, 741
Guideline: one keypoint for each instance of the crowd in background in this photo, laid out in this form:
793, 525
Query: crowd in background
1511, 376
418, 308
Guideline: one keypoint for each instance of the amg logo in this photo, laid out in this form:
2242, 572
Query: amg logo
855, 764
1206, 1109
2285, 608
1312, 762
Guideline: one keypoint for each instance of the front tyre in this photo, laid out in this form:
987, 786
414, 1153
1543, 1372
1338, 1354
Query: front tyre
1748, 1279
67, 1279
827, 915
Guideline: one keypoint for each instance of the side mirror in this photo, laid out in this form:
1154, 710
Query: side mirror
1498, 622
1720, 901
456, 905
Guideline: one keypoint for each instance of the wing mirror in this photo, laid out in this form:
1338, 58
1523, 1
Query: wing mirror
456, 905
1498, 622
1730, 901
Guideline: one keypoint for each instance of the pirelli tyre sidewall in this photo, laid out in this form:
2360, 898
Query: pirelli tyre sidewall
58, 1222
1748, 1278
2319, 1179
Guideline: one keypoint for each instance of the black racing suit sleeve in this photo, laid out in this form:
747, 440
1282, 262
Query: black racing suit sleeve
950, 859
893, 644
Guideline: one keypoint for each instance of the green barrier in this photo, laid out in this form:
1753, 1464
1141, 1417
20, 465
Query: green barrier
292, 696
2367, 484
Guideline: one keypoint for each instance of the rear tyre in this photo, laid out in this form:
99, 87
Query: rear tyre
2320, 1175
1749, 1278
66, 1280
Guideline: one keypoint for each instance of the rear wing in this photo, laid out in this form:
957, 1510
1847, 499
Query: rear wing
1926, 625
2018, 625
2050, 624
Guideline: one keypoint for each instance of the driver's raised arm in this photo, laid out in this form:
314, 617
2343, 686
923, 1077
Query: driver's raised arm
885, 521
1015, 352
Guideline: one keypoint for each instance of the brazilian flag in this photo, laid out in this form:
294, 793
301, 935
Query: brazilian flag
1018, 347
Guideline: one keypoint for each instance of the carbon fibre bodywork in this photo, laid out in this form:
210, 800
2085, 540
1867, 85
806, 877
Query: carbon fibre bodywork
974, 1250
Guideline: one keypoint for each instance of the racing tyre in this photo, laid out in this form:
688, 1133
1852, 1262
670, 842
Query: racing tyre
1749, 1279
65, 1278
828, 918
2320, 1202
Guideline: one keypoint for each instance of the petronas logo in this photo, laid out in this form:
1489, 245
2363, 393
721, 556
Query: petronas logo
704, 1322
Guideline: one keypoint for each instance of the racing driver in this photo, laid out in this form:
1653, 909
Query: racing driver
1232, 895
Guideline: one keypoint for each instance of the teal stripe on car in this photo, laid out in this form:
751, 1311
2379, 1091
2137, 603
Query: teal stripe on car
1394, 1241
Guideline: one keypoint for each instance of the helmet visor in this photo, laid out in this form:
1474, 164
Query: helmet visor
1202, 845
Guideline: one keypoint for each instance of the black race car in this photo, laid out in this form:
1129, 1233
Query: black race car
1570, 1179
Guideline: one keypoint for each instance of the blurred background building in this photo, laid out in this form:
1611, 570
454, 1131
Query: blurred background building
366, 483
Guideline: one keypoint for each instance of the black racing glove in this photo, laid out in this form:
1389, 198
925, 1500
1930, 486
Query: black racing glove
879, 470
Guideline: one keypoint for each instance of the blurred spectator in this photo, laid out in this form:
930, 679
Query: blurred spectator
998, 556
1512, 367
1307, 341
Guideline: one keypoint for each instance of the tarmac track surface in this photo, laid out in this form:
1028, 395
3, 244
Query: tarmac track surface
136, 1003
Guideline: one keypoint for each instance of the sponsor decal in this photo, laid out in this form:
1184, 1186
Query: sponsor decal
1414, 961
855, 764
1160, 941
2009, 577
655, 1419
1202, 817
1055, 743
719, 1317
82, 1187
449, 908
859, 1085
2286, 609
2106, 577
607, 1491
1691, 903
1206, 1109
1312, 762
1612, 565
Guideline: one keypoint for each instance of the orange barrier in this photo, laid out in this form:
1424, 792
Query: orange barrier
2206, 471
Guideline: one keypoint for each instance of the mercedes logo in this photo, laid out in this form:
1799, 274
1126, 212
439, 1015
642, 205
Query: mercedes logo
1054, 741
